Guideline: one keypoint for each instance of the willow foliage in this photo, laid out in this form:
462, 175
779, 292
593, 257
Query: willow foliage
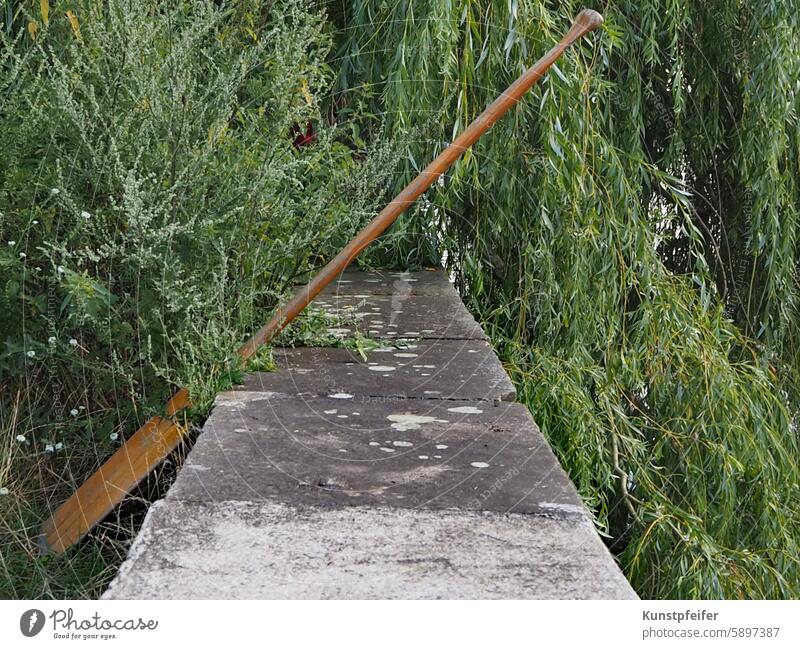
629, 237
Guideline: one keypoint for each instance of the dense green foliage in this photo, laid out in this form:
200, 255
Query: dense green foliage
152, 208
629, 237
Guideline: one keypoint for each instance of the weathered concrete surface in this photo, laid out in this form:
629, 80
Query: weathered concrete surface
405, 475
451, 369
405, 317
432, 282
410, 454
245, 550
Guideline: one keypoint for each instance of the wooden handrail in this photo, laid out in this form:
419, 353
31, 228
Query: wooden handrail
156, 439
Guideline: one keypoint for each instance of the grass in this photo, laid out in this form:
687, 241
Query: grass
37, 482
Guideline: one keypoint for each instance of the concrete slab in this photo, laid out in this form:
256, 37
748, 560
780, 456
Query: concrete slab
433, 282
245, 550
402, 476
452, 369
363, 451
403, 316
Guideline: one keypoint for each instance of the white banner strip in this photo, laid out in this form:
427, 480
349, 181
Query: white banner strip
385, 625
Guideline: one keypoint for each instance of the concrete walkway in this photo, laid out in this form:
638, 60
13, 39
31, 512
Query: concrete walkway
409, 475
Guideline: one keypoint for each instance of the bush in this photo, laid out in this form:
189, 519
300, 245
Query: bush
153, 207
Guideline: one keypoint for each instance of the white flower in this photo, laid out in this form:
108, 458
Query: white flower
21, 439
60, 269
59, 445
31, 353
3, 491
52, 340
55, 191
12, 243
113, 437
22, 255
86, 215
74, 412
49, 448
73, 342
35, 222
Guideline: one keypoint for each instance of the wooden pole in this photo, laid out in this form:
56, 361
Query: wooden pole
154, 441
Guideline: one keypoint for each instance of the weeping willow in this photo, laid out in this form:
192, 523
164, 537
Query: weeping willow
628, 237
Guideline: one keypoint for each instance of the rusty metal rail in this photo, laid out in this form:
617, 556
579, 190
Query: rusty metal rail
149, 445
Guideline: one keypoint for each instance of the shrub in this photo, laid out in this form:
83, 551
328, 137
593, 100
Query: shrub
153, 206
